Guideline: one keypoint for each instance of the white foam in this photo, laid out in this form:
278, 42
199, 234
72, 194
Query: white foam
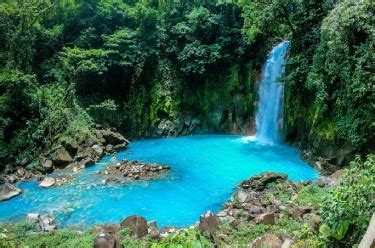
248, 139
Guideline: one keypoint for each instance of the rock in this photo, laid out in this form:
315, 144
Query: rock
105, 240
98, 150
368, 240
107, 236
314, 221
300, 211
255, 210
47, 182
125, 171
61, 157
137, 225
260, 182
209, 222
46, 164
47, 223
287, 243
11, 178
8, 191
112, 137
24, 161
265, 219
109, 148
153, 230
239, 196
335, 178
267, 240
33, 217
71, 146
86, 162
21, 172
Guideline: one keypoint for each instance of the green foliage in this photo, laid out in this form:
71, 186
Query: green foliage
341, 72
190, 238
350, 205
328, 76
241, 236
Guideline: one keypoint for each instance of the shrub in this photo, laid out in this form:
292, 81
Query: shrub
346, 212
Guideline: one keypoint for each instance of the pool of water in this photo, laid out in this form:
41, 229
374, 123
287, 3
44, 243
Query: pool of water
205, 170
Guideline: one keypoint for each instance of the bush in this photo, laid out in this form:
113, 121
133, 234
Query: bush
184, 238
346, 212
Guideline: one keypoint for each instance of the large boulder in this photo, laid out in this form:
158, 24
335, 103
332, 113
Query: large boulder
240, 196
260, 182
47, 223
209, 222
107, 236
8, 191
137, 225
61, 157
265, 219
112, 138
46, 164
267, 240
47, 182
99, 151
105, 240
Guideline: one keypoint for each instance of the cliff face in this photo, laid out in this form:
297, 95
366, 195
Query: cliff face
220, 102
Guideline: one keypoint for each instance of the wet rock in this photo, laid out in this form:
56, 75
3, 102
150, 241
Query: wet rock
260, 182
8, 191
267, 240
47, 223
86, 162
98, 150
47, 182
209, 222
137, 224
61, 157
265, 219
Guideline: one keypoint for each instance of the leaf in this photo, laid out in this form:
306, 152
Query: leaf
325, 230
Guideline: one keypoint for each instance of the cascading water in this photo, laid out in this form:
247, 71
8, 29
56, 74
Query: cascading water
269, 117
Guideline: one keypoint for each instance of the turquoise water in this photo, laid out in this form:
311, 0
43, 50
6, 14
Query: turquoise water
205, 170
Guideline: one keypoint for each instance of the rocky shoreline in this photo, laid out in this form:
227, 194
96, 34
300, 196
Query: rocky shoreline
74, 155
127, 171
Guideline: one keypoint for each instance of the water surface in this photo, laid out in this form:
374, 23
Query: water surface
205, 170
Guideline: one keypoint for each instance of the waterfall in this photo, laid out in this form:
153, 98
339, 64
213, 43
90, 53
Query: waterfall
269, 117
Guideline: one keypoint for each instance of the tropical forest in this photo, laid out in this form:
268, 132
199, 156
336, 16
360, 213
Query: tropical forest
187, 123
